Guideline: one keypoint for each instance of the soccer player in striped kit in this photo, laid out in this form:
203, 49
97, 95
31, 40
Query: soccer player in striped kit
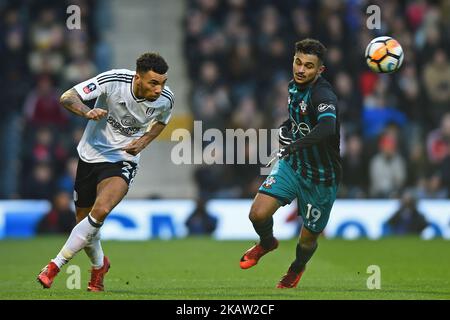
309, 166
131, 110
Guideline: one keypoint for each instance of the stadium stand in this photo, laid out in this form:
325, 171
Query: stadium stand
237, 56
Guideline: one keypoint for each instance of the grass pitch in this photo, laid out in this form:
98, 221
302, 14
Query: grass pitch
200, 268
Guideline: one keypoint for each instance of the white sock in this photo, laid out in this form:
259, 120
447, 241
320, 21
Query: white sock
95, 252
80, 236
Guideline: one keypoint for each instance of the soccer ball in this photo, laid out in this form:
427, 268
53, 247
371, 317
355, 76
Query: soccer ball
384, 55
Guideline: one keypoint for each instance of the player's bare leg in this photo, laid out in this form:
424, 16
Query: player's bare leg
49, 272
261, 213
306, 247
81, 213
110, 192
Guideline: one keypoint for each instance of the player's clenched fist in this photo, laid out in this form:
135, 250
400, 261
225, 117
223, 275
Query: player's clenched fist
135, 146
96, 114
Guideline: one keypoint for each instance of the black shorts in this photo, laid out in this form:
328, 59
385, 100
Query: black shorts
89, 176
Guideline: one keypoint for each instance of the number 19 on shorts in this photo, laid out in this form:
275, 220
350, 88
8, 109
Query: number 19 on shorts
312, 215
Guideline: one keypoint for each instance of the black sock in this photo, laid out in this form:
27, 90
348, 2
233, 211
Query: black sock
265, 231
303, 254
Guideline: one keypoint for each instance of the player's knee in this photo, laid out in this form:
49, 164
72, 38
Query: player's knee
308, 244
100, 212
257, 215
80, 215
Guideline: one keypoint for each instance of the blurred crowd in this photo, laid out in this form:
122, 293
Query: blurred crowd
395, 128
40, 57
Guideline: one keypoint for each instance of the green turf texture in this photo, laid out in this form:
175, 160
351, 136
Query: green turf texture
201, 268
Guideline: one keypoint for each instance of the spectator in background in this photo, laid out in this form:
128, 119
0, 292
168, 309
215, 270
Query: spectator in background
407, 220
42, 105
437, 84
79, 67
355, 167
387, 169
438, 141
210, 99
200, 222
42, 150
349, 101
247, 115
301, 21
66, 181
38, 55
444, 175
379, 110
47, 39
275, 101
246, 43
14, 82
411, 100
40, 184
42, 147
418, 166
61, 218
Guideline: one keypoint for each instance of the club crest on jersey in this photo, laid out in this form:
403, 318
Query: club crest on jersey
89, 88
269, 181
149, 111
303, 106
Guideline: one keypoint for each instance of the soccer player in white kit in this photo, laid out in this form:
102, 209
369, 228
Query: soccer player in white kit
131, 110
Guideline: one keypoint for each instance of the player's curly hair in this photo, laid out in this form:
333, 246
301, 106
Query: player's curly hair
311, 46
151, 61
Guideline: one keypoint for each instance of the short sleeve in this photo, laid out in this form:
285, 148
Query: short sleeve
94, 87
166, 114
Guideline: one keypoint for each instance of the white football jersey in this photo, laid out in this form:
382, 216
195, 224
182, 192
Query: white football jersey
128, 117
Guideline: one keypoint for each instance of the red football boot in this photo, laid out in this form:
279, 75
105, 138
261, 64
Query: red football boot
97, 275
48, 274
252, 255
290, 279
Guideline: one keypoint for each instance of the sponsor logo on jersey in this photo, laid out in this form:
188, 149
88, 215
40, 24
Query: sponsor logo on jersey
128, 131
89, 88
128, 120
303, 128
323, 106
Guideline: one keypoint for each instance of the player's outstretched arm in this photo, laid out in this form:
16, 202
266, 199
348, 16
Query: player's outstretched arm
72, 102
138, 145
325, 128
